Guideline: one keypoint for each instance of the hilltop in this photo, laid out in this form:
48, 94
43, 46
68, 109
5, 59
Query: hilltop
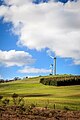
43, 95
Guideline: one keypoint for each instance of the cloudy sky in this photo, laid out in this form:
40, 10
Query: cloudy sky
33, 30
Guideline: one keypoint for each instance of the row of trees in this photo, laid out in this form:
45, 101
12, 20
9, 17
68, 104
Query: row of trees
3, 81
14, 79
61, 81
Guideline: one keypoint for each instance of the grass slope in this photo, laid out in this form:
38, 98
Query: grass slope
41, 95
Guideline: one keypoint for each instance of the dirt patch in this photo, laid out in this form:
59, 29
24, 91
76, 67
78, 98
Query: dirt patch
17, 113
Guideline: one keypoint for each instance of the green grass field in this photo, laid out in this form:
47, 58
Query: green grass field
43, 95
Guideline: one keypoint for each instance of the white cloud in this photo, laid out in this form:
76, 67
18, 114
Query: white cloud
15, 58
28, 70
49, 25
17, 2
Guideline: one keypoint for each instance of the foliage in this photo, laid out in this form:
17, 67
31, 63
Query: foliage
5, 102
1, 97
61, 81
1, 81
66, 108
18, 100
14, 95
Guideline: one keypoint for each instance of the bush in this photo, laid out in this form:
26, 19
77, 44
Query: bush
61, 81
5, 102
15, 96
18, 100
1, 97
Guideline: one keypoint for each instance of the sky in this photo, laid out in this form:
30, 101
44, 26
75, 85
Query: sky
33, 32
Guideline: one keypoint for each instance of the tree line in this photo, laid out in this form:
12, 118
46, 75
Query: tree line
61, 81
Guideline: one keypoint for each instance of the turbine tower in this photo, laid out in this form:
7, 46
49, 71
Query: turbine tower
54, 65
51, 66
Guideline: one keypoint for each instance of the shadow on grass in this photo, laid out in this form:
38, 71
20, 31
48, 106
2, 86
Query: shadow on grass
36, 95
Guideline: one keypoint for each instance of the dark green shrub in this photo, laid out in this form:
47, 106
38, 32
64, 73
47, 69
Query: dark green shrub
5, 102
41, 80
61, 81
66, 108
15, 97
19, 101
1, 97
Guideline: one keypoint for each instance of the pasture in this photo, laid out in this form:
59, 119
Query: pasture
43, 95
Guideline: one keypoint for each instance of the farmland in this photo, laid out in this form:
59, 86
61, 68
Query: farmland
43, 95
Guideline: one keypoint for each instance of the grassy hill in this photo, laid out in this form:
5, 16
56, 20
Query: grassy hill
41, 95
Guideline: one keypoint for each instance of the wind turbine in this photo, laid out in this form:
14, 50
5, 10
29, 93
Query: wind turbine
54, 62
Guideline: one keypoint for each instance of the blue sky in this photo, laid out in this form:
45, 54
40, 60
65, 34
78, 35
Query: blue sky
30, 33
